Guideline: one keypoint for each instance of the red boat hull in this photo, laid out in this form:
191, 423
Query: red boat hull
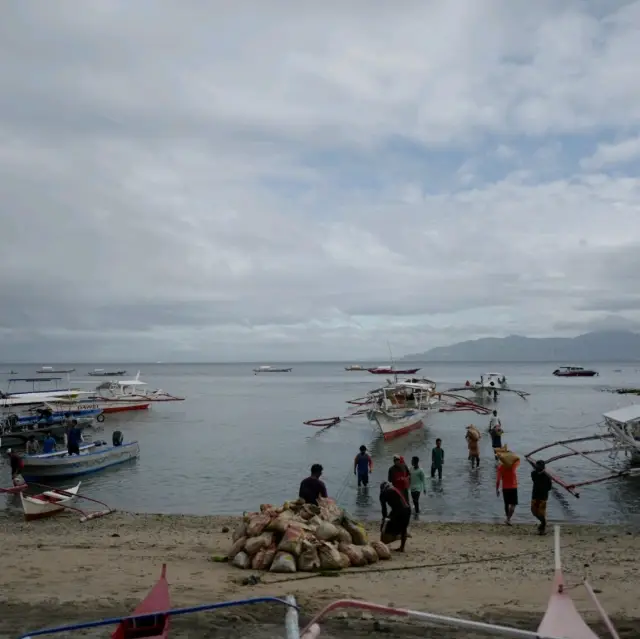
408, 371
155, 624
122, 409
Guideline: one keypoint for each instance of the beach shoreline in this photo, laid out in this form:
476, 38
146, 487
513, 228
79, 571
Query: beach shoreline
59, 571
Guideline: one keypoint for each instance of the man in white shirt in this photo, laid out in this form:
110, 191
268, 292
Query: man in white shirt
495, 430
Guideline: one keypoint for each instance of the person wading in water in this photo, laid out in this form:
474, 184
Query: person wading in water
362, 467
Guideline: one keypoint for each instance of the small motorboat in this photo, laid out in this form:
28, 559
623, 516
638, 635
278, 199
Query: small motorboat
152, 619
574, 371
355, 367
49, 503
45, 370
271, 369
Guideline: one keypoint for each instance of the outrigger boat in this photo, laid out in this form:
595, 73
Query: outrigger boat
390, 370
51, 502
152, 617
621, 435
101, 372
401, 407
54, 501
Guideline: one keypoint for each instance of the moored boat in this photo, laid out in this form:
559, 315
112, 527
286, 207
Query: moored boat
152, 619
46, 370
93, 457
48, 503
574, 371
394, 423
355, 367
271, 369
101, 372
390, 370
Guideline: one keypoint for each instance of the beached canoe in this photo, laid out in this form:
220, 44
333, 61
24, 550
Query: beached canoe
155, 623
49, 503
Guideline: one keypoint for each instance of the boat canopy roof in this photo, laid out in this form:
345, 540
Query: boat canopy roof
493, 375
35, 379
624, 415
131, 382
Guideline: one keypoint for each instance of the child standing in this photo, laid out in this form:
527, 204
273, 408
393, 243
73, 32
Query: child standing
437, 459
418, 484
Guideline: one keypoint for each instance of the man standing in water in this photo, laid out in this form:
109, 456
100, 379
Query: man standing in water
362, 466
540, 495
495, 430
313, 487
396, 522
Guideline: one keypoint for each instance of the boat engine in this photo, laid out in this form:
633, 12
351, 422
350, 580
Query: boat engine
117, 438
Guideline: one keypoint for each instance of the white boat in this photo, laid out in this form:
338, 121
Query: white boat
394, 423
621, 438
49, 503
93, 457
271, 369
355, 367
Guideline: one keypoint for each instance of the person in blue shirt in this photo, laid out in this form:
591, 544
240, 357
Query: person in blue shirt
49, 444
362, 466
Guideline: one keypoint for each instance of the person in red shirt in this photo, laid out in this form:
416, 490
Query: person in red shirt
507, 475
399, 476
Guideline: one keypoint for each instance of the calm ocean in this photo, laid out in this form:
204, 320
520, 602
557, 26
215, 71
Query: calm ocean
238, 441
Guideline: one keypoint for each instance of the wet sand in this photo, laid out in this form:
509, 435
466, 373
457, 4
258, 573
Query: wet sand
60, 571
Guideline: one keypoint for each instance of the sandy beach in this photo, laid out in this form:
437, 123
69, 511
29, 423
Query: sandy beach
60, 571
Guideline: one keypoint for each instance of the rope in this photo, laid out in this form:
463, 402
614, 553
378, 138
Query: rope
462, 562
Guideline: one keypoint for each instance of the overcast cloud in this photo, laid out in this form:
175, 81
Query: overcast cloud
274, 180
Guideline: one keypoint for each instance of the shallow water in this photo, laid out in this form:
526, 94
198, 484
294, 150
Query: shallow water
239, 441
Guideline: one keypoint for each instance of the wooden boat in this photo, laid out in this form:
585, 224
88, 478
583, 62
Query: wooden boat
154, 622
49, 503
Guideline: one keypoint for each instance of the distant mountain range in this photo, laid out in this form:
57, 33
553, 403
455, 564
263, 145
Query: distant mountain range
600, 346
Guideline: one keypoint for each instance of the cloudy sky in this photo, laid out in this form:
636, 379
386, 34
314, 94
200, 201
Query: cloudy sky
218, 181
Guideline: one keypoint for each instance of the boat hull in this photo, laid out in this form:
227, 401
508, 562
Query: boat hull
117, 406
396, 425
155, 623
90, 460
575, 374
49, 503
387, 371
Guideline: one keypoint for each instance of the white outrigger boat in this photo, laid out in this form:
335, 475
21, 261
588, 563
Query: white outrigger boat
621, 436
402, 407
48, 503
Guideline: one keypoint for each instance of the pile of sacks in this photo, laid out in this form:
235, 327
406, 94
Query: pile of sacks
299, 537
506, 457
473, 433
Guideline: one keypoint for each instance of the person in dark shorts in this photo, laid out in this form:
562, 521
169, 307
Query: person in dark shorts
395, 522
362, 466
495, 430
313, 487
74, 437
540, 495
506, 475
437, 459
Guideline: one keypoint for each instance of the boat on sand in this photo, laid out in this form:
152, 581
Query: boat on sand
151, 619
48, 503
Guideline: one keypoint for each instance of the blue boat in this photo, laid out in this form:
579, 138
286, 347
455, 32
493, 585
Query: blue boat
44, 417
94, 456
